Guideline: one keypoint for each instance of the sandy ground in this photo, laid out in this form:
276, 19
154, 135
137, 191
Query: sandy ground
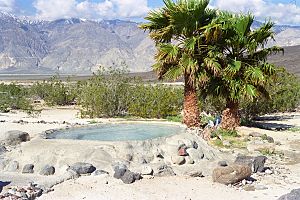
173, 188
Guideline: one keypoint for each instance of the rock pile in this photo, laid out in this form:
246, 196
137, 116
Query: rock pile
30, 192
128, 177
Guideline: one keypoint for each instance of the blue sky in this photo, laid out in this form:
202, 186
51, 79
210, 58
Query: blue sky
280, 11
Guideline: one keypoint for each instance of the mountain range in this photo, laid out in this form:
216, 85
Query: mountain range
79, 46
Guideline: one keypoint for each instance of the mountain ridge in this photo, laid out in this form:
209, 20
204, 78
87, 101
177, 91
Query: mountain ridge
80, 46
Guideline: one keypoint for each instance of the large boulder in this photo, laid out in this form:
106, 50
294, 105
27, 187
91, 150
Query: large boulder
82, 168
47, 170
14, 137
293, 195
231, 174
257, 164
28, 169
130, 177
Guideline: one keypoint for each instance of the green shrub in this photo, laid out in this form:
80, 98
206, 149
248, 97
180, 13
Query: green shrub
14, 97
55, 92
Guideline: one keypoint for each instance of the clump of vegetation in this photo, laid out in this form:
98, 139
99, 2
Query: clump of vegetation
267, 151
225, 133
177, 118
54, 92
13, 96
294, 129
112, 94
284, 94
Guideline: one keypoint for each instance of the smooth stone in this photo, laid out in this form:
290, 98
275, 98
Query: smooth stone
178, 160
15, 137
231, 174
164, 170
47, 170
28, 169
82, 168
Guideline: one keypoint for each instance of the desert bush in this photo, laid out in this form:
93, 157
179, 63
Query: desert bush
13, 96
55, 92
112, 94
284, 96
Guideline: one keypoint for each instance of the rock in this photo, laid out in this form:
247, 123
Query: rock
15, 137
99, 172
255, 134
270, 139
231, 174
293, 195
28, 169
128, 177
189, 160
12, 166
119, 171
2, 149
194, 174
47, 170
165, 170
82, 168
182, 151
222, 163
178, 160
195, 154
146, 170
257, 164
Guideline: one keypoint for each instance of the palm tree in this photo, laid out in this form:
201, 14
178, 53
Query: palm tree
241, 52
177, 31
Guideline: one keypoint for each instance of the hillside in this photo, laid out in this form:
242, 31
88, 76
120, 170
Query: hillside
78, 46
290, 59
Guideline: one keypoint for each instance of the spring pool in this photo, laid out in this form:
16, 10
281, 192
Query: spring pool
118, 132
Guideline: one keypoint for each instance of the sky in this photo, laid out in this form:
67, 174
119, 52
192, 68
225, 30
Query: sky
279, 11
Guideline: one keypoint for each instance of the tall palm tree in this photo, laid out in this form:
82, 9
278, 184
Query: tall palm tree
241, 52
177, 31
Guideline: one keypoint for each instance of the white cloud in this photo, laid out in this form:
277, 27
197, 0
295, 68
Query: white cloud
54, 9
280, 13
7, 5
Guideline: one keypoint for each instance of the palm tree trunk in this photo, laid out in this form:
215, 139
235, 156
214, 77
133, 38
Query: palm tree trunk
191, 111
230, 116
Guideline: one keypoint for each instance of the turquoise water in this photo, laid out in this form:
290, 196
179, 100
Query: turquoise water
118, 132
